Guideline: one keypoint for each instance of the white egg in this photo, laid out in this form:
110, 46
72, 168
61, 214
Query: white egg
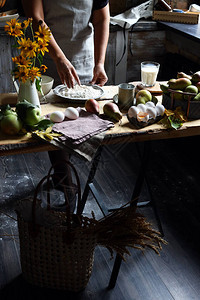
71, 113
142, 117
142, 107
150, 103
133, 111
151, 112
57, 116
160, 109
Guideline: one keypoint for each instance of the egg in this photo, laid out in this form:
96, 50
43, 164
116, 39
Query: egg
71, 113
151, 111
160, 109
57, 116
142, 117
133, 111
142, 107
150, 104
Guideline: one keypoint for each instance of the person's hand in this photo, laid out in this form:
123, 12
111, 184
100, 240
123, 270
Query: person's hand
67, 72
99, 76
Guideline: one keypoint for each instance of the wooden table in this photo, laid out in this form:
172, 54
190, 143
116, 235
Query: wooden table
122, 132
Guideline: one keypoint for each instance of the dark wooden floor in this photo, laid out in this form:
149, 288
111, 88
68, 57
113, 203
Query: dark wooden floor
174, 177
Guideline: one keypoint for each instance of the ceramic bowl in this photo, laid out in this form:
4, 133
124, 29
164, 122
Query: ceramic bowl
47, 84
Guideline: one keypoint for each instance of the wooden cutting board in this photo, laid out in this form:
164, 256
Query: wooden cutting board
156, 90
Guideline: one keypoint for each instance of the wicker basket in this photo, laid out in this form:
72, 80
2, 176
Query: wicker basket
59, 256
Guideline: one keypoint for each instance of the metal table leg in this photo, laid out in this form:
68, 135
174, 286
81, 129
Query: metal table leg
136, 193
93, 169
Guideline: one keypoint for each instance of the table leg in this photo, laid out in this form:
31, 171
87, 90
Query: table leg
151, 201
90, 179
136, 193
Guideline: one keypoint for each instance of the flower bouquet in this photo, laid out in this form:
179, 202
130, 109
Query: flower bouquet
31, 46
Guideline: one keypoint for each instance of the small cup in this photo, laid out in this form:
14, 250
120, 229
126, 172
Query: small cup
149, 72
126, 93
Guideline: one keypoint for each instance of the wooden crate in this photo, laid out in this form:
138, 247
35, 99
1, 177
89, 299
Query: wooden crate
175, 17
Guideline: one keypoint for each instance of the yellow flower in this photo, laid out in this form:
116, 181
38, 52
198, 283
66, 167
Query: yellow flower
13, 28
34, 72
26, 23
31, 49
28, 48
22, 73
21, 61
42, 47
43, 68
23, 44
43, 34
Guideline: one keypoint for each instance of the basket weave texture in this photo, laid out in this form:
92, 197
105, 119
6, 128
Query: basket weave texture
56, 248
48, 261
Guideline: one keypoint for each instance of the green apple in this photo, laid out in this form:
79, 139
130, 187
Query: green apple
11, 124
33, 116
143, 96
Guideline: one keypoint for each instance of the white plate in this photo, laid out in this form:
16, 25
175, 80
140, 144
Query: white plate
11, 14
60, 91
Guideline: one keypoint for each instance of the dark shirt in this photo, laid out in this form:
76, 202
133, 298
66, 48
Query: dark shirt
98, 4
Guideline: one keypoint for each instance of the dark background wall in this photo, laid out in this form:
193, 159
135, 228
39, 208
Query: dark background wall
12, 4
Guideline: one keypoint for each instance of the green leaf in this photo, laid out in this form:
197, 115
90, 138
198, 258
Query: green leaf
40, 58
43, 124
5, 107
175, 123
154, 99
38, 84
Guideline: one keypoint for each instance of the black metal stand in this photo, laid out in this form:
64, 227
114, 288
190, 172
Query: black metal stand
141, 178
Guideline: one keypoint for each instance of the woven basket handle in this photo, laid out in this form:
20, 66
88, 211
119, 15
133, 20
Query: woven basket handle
47, 177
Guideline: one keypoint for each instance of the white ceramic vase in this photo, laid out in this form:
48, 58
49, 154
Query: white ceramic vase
28, 91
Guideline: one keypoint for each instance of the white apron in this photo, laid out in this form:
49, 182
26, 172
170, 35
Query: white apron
69, 21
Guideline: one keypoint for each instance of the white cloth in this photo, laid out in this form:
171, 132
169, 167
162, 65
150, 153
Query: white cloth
131, 16
70, 24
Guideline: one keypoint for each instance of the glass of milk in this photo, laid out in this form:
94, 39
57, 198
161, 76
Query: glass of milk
149, 72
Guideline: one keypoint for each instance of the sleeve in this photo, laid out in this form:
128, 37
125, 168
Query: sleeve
98, 4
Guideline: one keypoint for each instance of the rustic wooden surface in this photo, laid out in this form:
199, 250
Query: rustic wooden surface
123, 131
6, 84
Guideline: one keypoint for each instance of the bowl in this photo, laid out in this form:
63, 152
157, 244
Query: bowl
46, 84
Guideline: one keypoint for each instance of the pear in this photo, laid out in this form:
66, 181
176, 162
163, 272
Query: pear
178, 96
183, 75
197, 97
112, 111
196, 77
190, 89
92, 106
179, 84
198, 85
164, 88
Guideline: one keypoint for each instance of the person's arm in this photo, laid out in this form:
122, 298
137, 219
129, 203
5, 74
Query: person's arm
67, 73
100, 21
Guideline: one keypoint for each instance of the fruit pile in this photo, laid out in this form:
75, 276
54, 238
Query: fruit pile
26, 117
184, 87
110, 110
